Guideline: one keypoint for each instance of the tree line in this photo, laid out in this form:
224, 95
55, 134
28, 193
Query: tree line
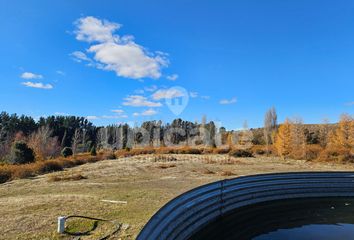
48, 137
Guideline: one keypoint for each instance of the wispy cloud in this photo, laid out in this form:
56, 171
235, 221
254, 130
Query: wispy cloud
60, 72
92, 117
79, 56
139, 101
120, 116
167, 94
119, 111
149, 112
152, 88
120, 54
114, 116
172, 77
61, 114
30, 75
193, 94
205, 97
37, 85
228, 101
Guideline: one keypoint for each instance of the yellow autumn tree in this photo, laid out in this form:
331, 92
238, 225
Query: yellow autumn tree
283, 139
342, 137
340, 141
298, 139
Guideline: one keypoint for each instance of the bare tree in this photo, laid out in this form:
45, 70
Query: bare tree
323, 132
270, 126
43, 144
245, 137
77, 138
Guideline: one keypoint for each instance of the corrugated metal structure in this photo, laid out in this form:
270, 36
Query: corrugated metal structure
189, 212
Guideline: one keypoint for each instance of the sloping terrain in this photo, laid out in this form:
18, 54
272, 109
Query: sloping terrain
29, 207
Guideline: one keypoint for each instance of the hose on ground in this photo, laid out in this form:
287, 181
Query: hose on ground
101, 220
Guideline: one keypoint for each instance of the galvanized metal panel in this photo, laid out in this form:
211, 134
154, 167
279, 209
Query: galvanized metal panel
189, 212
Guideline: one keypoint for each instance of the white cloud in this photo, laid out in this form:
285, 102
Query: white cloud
149, 112
107, 117
61, 114
167, 93
37, 85
92, 117
172, 77
114, 116
118, 53
151, 88
193, 94
60, 72
119, 111
91, 29
139, 91
79, 56
205, 97
29, 75
139, 101
228, 101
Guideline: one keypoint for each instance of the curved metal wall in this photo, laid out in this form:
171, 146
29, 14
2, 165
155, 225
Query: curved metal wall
189, 212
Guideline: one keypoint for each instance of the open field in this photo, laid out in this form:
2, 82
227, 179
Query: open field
29, 207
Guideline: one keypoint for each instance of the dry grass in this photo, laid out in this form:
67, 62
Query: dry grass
10, 172
226, 173
66, 177
165, 166
207, 171
29, 207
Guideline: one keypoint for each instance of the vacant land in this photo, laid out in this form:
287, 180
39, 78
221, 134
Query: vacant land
127, 190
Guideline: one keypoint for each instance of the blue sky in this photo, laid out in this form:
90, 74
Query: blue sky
118, 61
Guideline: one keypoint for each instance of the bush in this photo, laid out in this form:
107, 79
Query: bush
67, 152
187, 150
221, 150
240, 153
93, 151
5, 175
313, 151
21, 153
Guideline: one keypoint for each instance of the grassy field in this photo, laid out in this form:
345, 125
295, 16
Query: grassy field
30, 207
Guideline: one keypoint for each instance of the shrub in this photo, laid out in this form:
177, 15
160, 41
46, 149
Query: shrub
21, 153
93, 151
240, 153
5, 175
221, 150
336, 154
187, 150
109, 156
50, 166
66, 152
208, 150
313, 151
69, 177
